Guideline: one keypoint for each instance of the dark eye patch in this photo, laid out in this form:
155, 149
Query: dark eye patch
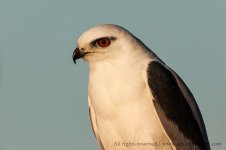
95, 42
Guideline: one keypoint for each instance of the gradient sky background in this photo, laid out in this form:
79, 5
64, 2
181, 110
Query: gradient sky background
43, 95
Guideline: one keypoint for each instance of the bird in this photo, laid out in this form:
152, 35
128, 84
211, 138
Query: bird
135, 100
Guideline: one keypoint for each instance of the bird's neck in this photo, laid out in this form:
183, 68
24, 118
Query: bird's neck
125, 62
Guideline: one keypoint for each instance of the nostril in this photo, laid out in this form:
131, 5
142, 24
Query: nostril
82, 49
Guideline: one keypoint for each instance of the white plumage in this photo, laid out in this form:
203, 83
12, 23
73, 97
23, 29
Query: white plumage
120, 99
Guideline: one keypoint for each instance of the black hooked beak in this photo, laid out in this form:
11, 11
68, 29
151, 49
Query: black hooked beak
77, 54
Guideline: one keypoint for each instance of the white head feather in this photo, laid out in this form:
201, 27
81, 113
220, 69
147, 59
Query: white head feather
122, 44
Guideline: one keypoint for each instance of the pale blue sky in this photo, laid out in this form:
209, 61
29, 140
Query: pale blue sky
43, 95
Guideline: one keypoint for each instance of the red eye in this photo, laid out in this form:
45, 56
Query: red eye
104, 42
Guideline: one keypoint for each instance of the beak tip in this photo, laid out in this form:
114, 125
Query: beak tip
76, 55
74, 59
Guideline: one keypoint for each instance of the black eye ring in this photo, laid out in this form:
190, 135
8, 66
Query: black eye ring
104, 42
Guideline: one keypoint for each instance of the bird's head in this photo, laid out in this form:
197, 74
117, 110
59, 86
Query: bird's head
104, 41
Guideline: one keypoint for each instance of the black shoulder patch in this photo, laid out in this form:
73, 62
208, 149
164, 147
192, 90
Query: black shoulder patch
173, 109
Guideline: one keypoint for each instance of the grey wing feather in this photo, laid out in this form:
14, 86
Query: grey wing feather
176, 108
192, 103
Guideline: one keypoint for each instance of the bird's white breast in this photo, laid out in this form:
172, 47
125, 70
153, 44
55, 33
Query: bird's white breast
123, 105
